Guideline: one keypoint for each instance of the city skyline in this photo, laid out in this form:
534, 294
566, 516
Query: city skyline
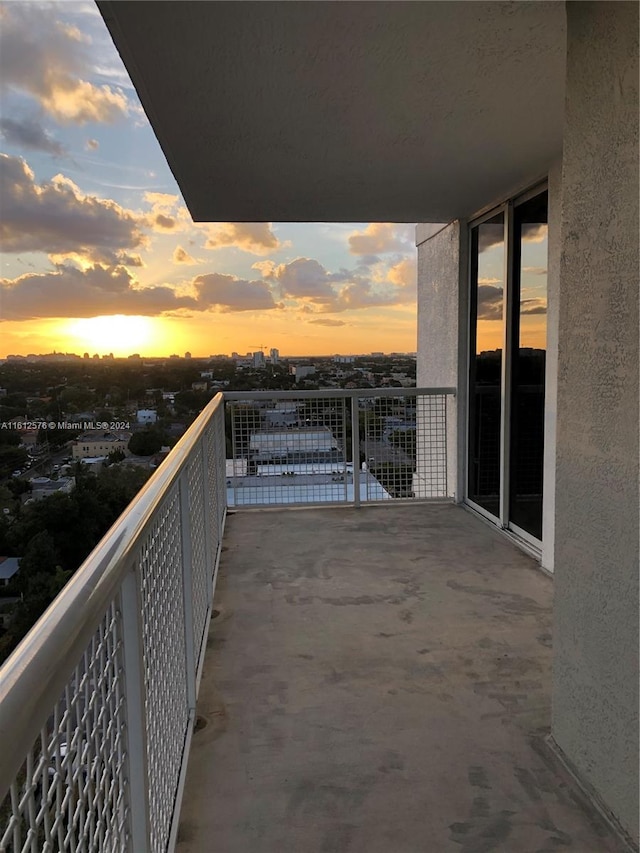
99, 252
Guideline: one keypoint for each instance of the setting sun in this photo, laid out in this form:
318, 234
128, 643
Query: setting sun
117, 333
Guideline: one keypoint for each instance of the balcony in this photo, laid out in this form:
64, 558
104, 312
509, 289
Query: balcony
375, 677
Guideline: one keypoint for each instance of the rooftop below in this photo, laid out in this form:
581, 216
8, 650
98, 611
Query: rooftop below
379, 680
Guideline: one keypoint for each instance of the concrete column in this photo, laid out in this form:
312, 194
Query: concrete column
595, 684
442, 314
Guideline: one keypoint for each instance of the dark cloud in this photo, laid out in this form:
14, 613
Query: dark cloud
55, 217
327, 322
490, 234
165, 223
181, 256
228, 293
28, 133
71, 292
489, 302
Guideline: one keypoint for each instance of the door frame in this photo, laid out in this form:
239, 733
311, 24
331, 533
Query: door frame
507, 208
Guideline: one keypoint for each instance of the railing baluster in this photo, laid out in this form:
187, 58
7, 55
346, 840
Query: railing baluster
138, 769
187, 585
355, 447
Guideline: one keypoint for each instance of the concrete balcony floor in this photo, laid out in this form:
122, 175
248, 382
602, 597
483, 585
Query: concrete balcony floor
378, 681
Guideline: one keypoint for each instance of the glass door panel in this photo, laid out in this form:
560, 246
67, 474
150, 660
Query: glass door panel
485, 363
528, 338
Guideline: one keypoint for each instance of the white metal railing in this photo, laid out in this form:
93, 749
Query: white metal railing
97, 703
350, 446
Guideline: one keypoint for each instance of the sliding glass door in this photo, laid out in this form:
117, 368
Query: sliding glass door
507, 350
485, 363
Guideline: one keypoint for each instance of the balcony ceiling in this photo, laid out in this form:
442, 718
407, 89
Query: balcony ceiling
347, 111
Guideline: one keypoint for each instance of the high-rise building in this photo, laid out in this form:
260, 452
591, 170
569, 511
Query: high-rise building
274, 354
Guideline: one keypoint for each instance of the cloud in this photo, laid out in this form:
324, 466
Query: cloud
535, 270
51, 61
491, 234
255, 237
326, 321
489, 302
331, 292
92, 145
27, 133
56, 217
71, 292
487, 280
533, 306
361, 294
165, 223
301, 278
168, 214
535, 232
380, 237
229, 293
404, 274
181, 256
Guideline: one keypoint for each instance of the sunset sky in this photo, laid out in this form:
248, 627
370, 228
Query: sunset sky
99, 253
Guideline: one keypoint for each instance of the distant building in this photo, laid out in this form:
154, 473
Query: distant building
146, 416
344, 359
8, 569
29, 437
274, 355
199, 386
258, 359
187, 355
98, 443
43, 487
301, 371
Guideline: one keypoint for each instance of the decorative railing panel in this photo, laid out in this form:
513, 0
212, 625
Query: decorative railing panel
97, 703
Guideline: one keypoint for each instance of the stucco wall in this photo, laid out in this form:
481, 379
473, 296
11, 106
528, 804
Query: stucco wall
439, 265
595, 690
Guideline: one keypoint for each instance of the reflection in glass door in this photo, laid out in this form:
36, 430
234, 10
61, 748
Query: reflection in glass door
485, 363
528, 356
507, 350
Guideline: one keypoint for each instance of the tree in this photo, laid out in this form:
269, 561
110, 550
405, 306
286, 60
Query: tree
115, 456
147, 442
11, 457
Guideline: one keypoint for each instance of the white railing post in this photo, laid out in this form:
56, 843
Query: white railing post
355, 448
221, 455
138, 768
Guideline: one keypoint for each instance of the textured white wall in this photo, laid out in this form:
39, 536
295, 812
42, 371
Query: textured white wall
439, 265
595, 688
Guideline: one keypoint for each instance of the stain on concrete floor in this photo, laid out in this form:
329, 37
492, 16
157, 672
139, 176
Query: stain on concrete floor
378, 681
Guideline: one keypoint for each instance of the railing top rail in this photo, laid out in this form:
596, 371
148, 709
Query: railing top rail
33, 677
337, 393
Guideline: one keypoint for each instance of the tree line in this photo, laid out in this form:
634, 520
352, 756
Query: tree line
54, 536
